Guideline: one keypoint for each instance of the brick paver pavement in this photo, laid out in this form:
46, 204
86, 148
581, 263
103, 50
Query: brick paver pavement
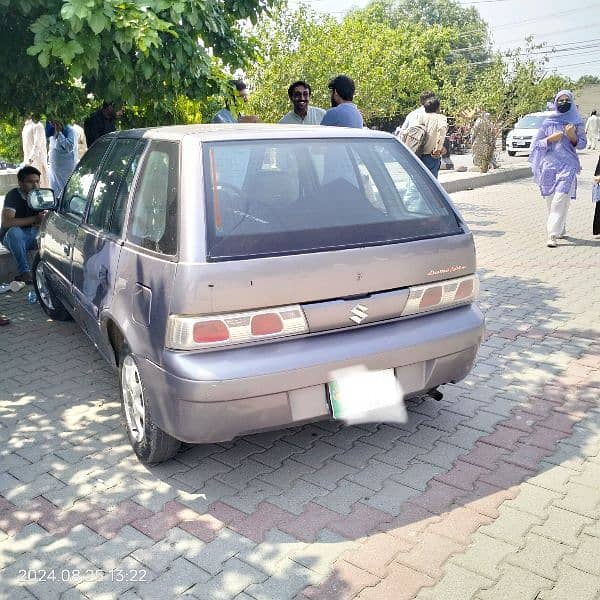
492, 493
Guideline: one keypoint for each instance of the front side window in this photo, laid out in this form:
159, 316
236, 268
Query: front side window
78, 187
110, 182
306, 195
153, 220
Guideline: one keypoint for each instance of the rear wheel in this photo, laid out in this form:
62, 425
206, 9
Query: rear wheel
51, 305
150, 443
511, 152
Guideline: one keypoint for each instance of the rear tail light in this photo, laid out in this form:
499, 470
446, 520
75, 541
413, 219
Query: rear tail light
441, 295
191, 333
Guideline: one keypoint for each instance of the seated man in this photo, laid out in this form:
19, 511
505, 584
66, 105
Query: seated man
20, 223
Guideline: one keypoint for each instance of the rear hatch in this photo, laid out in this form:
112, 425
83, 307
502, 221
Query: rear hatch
341, 226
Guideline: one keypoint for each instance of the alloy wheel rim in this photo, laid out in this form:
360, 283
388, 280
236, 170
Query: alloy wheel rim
133, 398
42, 287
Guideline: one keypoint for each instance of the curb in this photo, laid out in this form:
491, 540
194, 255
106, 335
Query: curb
482, 180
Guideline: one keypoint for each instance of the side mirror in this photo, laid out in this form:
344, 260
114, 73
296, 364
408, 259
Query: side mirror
42, 199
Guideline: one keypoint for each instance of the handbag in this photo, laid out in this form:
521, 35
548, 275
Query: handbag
596, 192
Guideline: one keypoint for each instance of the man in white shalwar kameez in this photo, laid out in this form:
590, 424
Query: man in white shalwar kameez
34, 147
592, 130
62, 155
81, 143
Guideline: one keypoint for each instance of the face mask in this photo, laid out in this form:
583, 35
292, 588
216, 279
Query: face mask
333, 102
563, 108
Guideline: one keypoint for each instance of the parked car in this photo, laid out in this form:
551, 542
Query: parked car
521, 137
229, 271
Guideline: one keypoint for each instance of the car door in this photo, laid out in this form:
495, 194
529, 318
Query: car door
98, 242
148, 260
61, 227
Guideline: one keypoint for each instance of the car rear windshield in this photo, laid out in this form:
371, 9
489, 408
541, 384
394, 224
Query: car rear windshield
270, 197
530, 122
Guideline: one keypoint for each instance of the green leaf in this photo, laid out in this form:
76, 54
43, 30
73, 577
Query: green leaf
98, 22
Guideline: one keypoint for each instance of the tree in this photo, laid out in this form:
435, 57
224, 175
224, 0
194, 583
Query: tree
588, 80
148, 53
471, 40
390, 66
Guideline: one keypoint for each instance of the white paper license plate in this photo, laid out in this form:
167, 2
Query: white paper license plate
355, 392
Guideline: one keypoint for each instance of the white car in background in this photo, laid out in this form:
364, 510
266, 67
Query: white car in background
521, 137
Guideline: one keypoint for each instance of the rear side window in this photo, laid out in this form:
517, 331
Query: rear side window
153, 220
76, 192
289, 196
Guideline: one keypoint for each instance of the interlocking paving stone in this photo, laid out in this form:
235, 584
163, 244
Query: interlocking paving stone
456, 584
517, 442
211, 556
516, 584
563, 526
235, 577
269, 554
573, 583
319, 555
285, 582
484, 555
540, 555
585, 558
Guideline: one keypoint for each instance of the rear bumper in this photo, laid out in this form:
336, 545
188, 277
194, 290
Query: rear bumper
215, 396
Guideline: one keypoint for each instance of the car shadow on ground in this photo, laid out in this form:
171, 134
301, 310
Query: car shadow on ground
322, 484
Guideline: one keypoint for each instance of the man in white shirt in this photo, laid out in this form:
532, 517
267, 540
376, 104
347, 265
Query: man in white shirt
303, 113
35, 152
413, 116
592, 129
436, 126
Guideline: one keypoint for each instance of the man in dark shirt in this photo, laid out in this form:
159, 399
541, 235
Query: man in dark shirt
103, 121
20, 223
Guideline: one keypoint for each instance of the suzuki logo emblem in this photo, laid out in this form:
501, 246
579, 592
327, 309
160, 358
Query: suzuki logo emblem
359, 313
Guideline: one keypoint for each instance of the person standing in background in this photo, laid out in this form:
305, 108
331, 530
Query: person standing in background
100, 122
35, 152
414, 115
592, 130
61, 155
596, 224
555, 163
81, 146
436, 126
344, 112
303, 114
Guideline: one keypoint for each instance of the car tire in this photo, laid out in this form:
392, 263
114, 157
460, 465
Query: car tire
47, 298
149, 442
511, 152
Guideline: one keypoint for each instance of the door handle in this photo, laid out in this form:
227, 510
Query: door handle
67, 250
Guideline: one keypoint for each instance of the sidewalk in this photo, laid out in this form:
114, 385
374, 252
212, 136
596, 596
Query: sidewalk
509, 169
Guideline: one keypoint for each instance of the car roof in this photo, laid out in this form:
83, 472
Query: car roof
250, 131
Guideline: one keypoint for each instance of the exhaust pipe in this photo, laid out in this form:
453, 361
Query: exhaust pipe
435, 394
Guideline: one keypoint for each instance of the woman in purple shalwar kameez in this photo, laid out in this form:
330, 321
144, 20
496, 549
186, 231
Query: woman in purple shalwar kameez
554, 161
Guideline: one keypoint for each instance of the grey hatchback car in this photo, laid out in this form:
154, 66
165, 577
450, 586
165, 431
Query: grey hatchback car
230, 271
